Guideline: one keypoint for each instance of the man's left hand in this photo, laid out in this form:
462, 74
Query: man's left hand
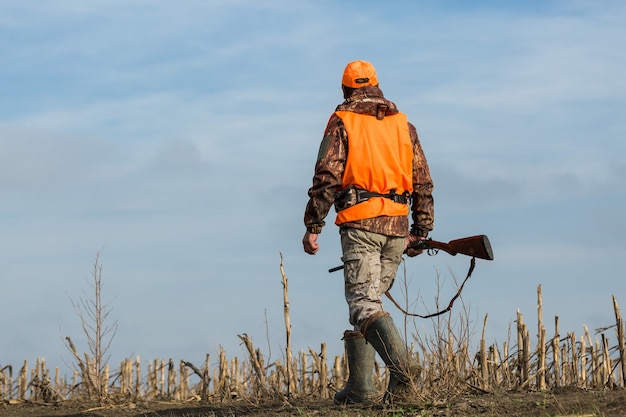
411, 252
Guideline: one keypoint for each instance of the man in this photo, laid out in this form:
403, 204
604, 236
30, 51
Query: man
371, 166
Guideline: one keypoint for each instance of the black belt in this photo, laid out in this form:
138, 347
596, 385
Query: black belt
352, 195
364, 195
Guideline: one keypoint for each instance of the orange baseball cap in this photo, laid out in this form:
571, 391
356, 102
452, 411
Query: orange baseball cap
359, 74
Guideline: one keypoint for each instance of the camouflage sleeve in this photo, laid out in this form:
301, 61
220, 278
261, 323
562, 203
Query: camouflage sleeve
422, 209
329, 169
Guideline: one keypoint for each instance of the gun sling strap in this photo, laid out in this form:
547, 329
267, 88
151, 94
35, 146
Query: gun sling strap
474, 246
445, 310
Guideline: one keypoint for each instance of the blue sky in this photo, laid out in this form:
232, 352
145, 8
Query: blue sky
179, 139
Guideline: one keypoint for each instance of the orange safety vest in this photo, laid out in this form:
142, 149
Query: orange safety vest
380, 159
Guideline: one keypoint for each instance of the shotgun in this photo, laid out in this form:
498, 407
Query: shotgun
475, 246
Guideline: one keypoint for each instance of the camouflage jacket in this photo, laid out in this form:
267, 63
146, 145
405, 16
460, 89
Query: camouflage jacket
329, 169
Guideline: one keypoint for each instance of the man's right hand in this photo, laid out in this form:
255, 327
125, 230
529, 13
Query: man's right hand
309, 241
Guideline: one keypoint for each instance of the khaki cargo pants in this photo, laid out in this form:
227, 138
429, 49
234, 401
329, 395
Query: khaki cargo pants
371, 261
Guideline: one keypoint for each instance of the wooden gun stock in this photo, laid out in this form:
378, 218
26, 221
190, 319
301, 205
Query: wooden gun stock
474, 246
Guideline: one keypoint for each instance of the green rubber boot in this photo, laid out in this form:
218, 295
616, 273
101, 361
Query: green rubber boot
382, 333
359, 387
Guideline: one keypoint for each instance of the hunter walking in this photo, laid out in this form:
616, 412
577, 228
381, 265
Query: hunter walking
371, 166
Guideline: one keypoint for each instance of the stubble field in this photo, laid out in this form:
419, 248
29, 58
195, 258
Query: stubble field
562, 402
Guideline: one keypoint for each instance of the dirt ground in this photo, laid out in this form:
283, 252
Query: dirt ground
565, 402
